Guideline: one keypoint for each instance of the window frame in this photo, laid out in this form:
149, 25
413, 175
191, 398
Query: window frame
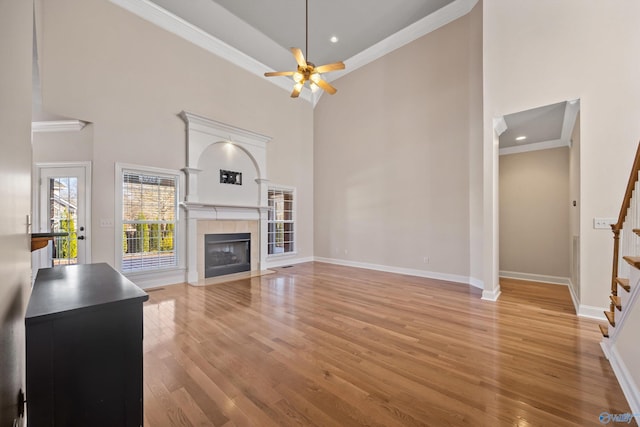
121, 169
294, 219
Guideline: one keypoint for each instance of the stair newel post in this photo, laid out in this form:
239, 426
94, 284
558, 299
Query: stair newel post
614, 275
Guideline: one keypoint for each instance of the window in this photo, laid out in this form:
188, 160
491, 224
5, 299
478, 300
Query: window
280, 234
149, 211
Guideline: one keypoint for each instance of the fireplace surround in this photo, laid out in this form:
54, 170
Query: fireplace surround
226, 253
215, 207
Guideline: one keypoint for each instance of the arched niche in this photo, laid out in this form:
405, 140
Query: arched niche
212, 146
227, 156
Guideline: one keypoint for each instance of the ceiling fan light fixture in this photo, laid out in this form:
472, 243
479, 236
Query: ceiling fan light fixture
307, 71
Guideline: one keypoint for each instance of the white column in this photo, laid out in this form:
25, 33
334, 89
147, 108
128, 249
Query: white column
263, 223
192, 250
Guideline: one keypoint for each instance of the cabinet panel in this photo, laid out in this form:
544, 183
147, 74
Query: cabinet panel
84, 365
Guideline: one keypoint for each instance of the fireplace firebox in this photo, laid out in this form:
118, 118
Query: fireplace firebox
226, 253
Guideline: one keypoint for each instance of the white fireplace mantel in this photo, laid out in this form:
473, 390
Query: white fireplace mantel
213, 145
210, 211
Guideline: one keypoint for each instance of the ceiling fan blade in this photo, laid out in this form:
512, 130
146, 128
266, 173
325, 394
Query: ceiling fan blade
296, 90
297, 53
325, 86
279, 73
330, 67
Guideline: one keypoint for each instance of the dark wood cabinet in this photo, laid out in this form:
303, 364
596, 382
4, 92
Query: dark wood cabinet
84, 348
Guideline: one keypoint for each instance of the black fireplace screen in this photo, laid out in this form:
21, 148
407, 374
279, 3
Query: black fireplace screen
226, 253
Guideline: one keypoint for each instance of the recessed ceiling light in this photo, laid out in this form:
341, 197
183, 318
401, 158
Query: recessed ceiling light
333, 39
521, 138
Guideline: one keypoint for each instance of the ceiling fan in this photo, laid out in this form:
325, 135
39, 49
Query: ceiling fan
307, 71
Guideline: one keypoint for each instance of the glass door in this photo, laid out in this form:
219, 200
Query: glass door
62, 210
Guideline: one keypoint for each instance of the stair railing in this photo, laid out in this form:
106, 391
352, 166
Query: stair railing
625, 226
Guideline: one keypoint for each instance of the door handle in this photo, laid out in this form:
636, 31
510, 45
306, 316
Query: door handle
80, 237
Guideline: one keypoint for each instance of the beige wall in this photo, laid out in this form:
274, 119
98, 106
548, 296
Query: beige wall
130, 79
392, 165
16, 17
574, 211
475, 145
534, 213
545, 51
71, 146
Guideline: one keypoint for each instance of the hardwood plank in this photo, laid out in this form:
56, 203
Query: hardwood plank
326, 345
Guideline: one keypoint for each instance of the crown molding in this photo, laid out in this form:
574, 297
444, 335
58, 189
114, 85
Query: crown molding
58, 126
178, 26
174, 24
571, 110
545, 145
429, 23
500, 125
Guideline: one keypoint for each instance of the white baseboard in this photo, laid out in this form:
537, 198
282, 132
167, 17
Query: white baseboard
591, 312
476, 283
407, 271
604, 345
556, 280
491, 295
574, 297
154, 279
282, 261
629, 387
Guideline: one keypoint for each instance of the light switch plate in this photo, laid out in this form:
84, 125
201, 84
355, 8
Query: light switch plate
603, 223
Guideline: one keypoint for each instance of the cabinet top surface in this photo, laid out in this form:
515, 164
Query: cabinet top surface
77, 287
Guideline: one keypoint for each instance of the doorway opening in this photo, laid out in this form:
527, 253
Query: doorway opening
539, 195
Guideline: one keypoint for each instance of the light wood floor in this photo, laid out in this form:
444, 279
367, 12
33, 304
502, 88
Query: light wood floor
324, 345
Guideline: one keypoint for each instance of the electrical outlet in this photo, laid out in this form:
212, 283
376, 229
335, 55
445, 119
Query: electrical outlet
425, 260
603, 223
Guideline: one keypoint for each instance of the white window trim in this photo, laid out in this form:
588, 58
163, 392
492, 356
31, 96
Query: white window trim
179, 231
293, 190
